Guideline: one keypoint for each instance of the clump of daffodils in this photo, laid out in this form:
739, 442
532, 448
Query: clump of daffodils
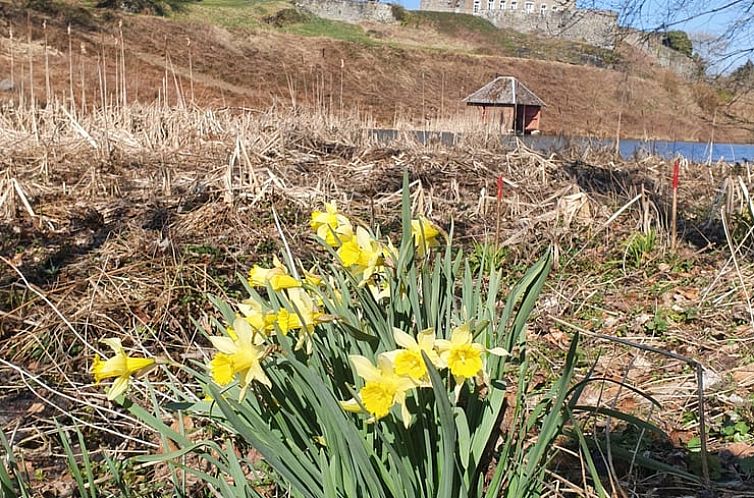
294, 306
402, 370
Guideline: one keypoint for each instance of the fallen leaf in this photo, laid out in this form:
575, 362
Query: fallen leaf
35, 408
740, 450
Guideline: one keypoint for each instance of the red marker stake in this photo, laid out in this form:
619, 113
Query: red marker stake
674, 211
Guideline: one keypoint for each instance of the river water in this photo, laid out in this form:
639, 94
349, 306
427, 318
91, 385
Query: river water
629, 149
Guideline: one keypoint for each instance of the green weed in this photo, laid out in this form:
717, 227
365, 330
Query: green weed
639, 248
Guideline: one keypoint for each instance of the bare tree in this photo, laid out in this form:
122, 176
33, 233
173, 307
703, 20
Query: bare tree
733, 20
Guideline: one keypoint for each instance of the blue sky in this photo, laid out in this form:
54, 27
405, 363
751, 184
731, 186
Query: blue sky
713, 18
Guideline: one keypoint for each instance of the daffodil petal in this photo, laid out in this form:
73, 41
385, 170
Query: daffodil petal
242, 393
223, 344
364, 368
256, 373
390, 355
403, 339
400, 398
243, 330
119, 387
113, 343
426, 339
498, 352
350, 406
384, 364
442, 344
461, 334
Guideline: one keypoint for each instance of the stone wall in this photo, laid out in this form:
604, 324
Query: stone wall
482, 6
348, 10
595, 27
666, 57
557, 18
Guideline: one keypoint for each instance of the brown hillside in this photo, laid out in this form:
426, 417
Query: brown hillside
389, 81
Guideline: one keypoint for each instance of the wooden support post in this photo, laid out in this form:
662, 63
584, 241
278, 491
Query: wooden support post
498, 209
674, 208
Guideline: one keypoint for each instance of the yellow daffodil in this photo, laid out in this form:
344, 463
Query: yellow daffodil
425, 236
408, 361
382, 389
312, 278
277, 277
362, 255
240, 356
120, 366
331, 226
303, 315
259, 319
464, 358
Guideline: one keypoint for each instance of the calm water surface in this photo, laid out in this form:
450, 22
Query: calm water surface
629, 149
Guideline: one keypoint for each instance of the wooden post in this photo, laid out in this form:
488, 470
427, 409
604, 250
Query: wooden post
674, 208
70, 71
617, 134
498, 209
48, 86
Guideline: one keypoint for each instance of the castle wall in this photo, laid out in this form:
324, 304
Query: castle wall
598, 28
558, 18
651, 44
482, 6
348, 10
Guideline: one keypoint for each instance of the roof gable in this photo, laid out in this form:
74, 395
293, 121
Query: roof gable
504, 90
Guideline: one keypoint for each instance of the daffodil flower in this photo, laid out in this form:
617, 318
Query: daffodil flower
120, 366
303, 316
331, 226
425, 235
463, 357
409, 361
362, 255
382, 389
277, 277
240, 356
255, 315
312, 278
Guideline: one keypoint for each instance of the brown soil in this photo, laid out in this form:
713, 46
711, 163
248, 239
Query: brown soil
256, 69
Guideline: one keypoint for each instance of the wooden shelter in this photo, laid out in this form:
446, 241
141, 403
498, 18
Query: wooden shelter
519, 108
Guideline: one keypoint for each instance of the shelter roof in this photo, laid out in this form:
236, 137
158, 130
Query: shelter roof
504, 91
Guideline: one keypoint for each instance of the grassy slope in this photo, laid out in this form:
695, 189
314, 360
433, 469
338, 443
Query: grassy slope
494, 41
268, 14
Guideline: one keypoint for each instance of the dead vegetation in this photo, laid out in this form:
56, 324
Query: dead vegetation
121, 222
408, 74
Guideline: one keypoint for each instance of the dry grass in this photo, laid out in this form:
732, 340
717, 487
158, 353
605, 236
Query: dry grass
389, 79
120, 222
